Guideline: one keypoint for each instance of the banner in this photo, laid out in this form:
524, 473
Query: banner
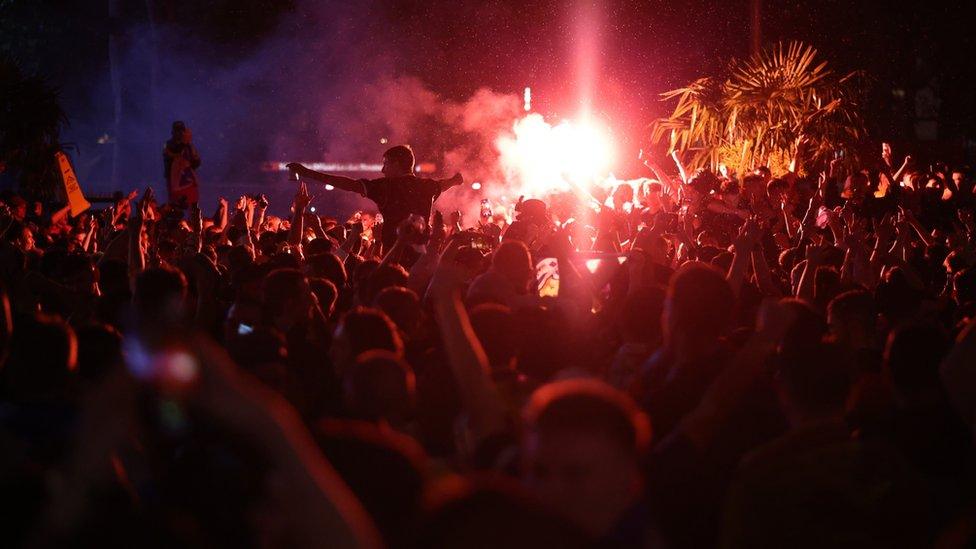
72, 190
183, 187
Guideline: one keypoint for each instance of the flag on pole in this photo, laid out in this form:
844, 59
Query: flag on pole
72, 190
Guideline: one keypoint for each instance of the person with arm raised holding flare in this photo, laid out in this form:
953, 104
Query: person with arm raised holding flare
398, 194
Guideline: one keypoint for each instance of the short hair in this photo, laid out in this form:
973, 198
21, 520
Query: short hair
826, 283
493, 325
700, 300
157, 286
511, 254
853, 306
402, 155
384, 276
589, 406
368, 329
381, 386
402, 305
641, 314
807, 329
326, 292
99, 350
43, 358
328, 265
818, 379
912, 357
281, 287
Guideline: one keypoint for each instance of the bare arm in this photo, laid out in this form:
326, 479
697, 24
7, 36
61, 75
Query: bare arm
806, 288
338, 181
261, 205
321, 509
467, 358
302, 200
137, 258
220, 220
61, 215
454, 181
681, 167
763, 277
743, 245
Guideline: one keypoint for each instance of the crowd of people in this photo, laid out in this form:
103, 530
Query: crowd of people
695, 360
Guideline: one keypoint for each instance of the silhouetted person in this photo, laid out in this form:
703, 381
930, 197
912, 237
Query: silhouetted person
397, 194
180, 161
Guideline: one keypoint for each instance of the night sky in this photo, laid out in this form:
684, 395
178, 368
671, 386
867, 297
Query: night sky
249, 74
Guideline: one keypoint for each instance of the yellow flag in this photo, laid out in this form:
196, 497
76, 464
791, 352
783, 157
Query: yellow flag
71, 187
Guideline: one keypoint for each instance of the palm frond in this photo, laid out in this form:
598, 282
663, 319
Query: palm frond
768, 101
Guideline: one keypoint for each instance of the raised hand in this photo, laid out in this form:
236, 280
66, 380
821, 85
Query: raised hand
145, 204
297, 169
748, 236
315, 222
302, 198
196, 219
817, 255
448, 277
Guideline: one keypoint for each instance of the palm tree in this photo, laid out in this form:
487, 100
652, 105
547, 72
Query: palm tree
763, 112
31, 119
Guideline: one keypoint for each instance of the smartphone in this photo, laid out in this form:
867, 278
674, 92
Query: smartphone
822, 217
547, 277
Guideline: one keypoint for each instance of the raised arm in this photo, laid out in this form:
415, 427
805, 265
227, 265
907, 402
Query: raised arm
137, 256
454, 181
467, 358
743, 245
815, 257
338, 181
302, 200
321, 509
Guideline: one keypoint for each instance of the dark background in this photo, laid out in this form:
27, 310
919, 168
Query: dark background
261, 80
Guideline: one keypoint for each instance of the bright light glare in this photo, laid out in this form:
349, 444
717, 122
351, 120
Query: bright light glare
329, 187
476, 186
541, 157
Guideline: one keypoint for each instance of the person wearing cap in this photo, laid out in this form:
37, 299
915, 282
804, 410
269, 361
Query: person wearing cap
180, 153
398, 194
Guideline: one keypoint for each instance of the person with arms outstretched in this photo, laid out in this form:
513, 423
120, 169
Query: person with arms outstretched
398, 194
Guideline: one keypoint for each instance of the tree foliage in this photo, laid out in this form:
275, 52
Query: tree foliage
31, 119
762, 111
